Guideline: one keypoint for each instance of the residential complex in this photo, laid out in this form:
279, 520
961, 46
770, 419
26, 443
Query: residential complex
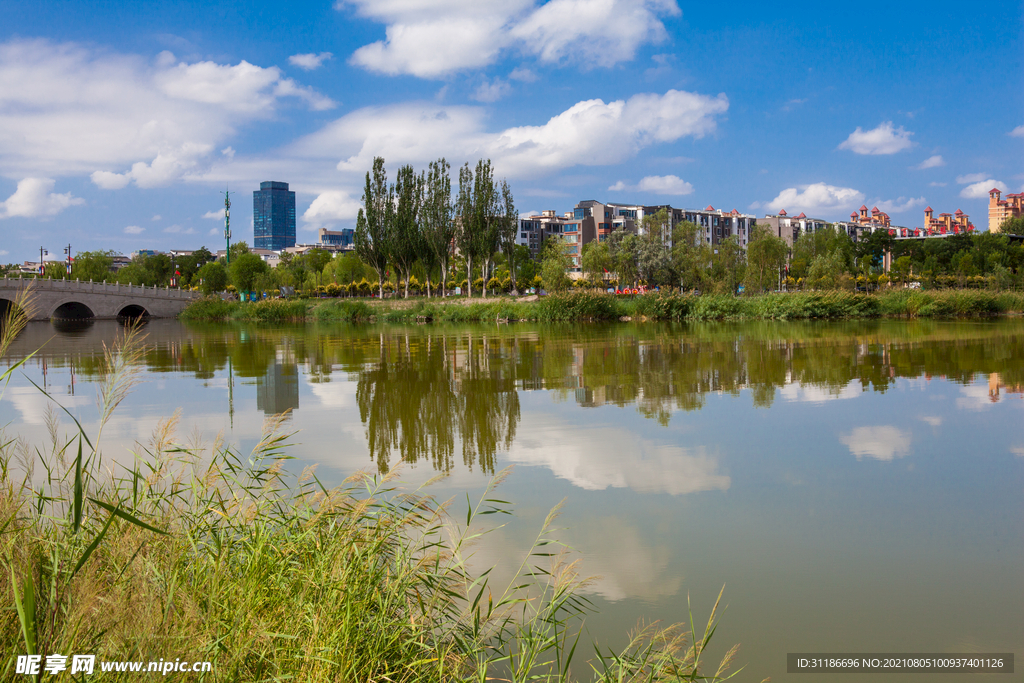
789, 228
273, 216
1000, 209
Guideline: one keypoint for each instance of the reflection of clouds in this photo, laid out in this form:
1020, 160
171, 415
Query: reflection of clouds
32, 404
974, 397
882, 443
933, 420
811, 393
625, 563
335, 394
599, 458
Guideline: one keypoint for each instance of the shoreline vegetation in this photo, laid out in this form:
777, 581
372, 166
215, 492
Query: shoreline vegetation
199, 552
583, 306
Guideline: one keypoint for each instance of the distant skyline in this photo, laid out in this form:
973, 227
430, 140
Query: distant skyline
121, 125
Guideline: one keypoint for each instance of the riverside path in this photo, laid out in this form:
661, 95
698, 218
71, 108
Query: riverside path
75, 300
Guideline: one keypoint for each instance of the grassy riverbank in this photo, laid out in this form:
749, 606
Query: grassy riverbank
186, 552
584, 306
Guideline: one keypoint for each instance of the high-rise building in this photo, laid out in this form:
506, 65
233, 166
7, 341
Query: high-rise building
1000, 210
273, 216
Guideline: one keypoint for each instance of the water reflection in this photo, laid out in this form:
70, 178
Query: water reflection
439, 394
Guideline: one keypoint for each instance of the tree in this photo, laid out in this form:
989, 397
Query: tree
404, 239
766, 256
555, 263
245, 270
476, 208
465, 237
690, 256
1012, 226
596, 260
901, 269
371, 239
213, 277
826, 269
623, 247
438, 226
93, 266
728, 264
508, 227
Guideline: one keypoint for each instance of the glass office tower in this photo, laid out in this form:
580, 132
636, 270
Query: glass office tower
273, 216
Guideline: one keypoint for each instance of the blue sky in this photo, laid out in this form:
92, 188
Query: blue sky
121, 124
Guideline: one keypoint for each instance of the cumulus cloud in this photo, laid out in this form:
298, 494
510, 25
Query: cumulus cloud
980, 190
134, 230
178, 230
937, 184
971, 178
156, 217
492, 91
432, 38
70, 109
591, 132
33, 198
1017, 132
885, 139
216, 215
931, 162
331, 206
881, 443
309, 61
815, 198
656, 184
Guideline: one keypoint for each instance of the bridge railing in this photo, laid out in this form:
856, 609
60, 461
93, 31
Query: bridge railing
111, 288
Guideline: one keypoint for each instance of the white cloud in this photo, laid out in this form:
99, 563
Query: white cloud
216, 215
937, 184
882, 140
229, 152
334, 205
931, 162
898, 205
69, 109
1018, 451
432, 38
933, 420
656, 184
4, 252
492, 91
178, 230
591, 132
523, 74
881, 443
213, 232
815, 198
974, 397
971, 178
980, 189
134, 230
156, 217
1017, 132
309, 61
33, 199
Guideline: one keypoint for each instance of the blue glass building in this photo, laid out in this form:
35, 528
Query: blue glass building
273, 216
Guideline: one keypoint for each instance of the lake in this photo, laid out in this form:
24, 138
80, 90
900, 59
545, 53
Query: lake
855, 486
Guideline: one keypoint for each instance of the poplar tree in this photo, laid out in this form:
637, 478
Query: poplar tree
437, 219
508, 227
465, 235
403, 233
373, 221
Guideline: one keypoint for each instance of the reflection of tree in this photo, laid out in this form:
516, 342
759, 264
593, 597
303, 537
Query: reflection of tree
425, 392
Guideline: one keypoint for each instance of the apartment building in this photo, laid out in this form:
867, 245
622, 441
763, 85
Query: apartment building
533, 230
1000, 209
946, 223
789, 228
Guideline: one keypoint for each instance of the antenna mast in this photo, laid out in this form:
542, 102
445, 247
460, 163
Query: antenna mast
227, 227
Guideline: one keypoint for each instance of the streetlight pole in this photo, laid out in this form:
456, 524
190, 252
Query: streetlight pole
67, 250
42, 266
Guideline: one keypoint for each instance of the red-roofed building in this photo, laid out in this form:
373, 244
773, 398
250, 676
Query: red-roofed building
1000, 210
877, 218
946, 223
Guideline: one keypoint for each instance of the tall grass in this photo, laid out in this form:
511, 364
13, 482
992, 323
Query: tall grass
200, 553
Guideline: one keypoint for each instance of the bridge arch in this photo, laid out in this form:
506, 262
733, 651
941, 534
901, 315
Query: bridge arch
5, 307
132, 311
72, 310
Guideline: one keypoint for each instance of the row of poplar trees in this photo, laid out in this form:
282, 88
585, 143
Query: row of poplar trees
414, 219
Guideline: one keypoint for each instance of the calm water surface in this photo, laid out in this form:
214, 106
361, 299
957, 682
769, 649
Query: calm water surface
855, 486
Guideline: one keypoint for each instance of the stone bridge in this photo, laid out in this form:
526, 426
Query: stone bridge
75, 300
